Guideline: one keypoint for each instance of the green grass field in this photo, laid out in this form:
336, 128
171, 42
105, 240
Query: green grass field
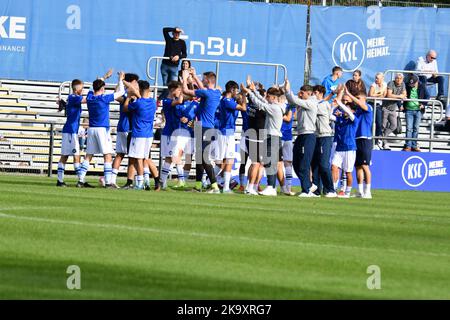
181, 245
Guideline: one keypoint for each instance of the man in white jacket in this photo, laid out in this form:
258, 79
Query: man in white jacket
428, 64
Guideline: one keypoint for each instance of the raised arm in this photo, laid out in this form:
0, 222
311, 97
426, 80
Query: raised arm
126, 104
184, 83
346, 109
118, 94
288, 116
197, 81
361, 102
166, 32
241, 102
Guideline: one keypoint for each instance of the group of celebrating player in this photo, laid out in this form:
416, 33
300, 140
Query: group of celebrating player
334, 135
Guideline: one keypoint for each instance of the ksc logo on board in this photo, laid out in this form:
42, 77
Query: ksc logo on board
348, 51
414, 171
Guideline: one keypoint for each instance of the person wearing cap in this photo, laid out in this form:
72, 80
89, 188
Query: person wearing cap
413, 111
175, 50
429, 64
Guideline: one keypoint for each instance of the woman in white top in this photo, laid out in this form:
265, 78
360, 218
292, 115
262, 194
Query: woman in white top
378, 89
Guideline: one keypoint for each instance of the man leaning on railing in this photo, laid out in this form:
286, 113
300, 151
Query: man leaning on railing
413, 111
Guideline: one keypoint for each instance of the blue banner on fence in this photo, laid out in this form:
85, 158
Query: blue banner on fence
399, 170
411, 171
375, 39
62, 39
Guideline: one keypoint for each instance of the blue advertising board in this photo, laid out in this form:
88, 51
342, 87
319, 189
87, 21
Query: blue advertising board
65, 39
375, 39
422, 171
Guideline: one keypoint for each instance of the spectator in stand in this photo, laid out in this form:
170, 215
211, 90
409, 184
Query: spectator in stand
429, 64
378, 89
175, 50
395, 90
356, 85
186, 69
82, 134
413, 111
331, 81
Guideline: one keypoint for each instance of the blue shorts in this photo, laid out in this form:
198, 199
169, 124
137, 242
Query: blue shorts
363, 152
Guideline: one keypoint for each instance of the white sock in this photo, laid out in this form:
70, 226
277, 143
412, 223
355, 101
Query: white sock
139, 181
336, 184
250, 187
226, 184
165, 173
255, 187
344, 182
61, 168
348, 190
114, 174
77, 167
361, 188
146, 176
180, 172
83, 170
186, 174
367, 189
204, 177
288, 172
107, 169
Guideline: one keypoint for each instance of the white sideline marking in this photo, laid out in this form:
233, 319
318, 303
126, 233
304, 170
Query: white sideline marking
207, 235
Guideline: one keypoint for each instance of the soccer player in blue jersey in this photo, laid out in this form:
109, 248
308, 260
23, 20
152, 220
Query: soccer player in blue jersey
168, 140
214, 154
99, 138
210, 99
142, 114
286, 145
185, 137
70, 143
230, 105
347, 123
123, 129
364, 144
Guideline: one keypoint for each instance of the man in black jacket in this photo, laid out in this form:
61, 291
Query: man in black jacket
175, 50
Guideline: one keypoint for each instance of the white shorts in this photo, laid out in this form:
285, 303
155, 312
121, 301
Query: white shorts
140, 148
185, 144
287, 147
99, 141
214, 151
168, 144
70, 146
121, 142
227, 147
345, 160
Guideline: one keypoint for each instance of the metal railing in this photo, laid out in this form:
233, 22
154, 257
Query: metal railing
51, 136
157, 60
361, 3
444, 74
431, 139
